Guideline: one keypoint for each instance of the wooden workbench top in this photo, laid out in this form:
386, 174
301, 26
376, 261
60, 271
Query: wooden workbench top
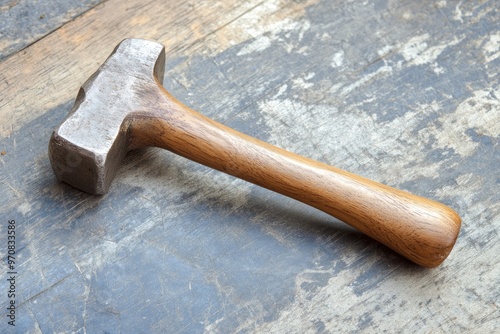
402, 92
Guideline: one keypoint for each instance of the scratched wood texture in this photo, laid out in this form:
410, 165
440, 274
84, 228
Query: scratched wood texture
23, 22
404, 92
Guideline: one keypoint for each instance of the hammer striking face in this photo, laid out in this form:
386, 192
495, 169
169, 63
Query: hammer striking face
124, 106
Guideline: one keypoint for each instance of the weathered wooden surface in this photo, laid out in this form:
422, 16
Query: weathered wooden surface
25, 21
402, 92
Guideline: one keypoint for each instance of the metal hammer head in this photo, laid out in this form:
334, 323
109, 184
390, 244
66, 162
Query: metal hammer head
87, 148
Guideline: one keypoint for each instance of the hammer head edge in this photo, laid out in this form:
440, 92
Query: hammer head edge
86, 149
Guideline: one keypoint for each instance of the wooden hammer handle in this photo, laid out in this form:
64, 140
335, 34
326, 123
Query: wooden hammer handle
420, 229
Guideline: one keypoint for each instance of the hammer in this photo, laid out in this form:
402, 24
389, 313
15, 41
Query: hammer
124, 106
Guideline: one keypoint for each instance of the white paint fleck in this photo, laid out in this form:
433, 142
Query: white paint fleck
407, 15
281, 91
491, 48
365, 79
25, 208
335, 88
309, 75
338, 59
258, 45
325, 37
385, 50
431, 54
481, 112
212, 327
441, 4
458, 15
303, 50
414, 47
418, 52
301, 83
437, 69
264, 34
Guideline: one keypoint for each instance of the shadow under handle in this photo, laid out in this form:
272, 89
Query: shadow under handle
420, 229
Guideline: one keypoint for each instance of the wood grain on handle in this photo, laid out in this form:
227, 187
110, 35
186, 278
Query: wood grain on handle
420, 229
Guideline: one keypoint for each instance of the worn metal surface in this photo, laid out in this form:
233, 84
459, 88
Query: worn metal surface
405, 93
87, 149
